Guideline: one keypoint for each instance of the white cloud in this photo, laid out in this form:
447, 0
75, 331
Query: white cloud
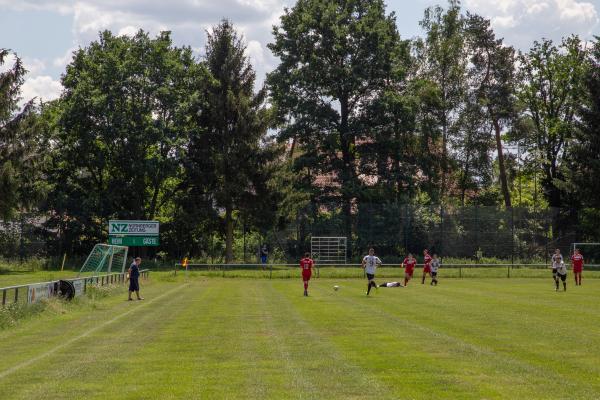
504, 22
65, 59
8, 62
521, 22
128, 31
35, 66
42, 87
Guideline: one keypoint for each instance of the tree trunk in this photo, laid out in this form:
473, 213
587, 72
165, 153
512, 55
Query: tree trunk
503, 180
228, 233
444, 158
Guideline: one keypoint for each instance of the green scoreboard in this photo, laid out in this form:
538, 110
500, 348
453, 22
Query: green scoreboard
133, 233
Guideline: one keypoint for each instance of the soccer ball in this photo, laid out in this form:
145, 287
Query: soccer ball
336, 287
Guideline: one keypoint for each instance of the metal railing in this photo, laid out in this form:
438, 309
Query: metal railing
222, 269
99, 280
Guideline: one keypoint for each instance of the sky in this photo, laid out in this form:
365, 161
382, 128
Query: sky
44, 33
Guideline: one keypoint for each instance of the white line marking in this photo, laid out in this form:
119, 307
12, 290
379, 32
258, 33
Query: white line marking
83, 335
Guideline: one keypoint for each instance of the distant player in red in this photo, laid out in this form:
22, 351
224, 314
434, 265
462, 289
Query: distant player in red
426, 265
577, 260
306, 265
409, 268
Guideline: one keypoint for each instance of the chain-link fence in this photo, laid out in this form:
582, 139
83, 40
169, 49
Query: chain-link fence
477, 233
24, 237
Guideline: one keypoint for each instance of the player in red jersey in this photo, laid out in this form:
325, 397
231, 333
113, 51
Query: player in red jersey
409, 268
426, 265
306, 265
577, 260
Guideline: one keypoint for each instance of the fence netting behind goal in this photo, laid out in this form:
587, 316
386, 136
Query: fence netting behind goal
105, 258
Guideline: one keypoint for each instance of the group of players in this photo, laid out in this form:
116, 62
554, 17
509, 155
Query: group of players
370, 262
559, 269
431, 264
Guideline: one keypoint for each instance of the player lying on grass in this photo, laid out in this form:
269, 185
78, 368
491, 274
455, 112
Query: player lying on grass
391, 284
370, 263
409, 268
426, 266
306, 265
435, 265
577, 260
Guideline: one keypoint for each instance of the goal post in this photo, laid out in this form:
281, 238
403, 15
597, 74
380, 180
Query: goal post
329, 249
590, 252
105, 258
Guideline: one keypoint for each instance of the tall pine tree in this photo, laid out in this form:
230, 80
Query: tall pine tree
20, 142
229, 159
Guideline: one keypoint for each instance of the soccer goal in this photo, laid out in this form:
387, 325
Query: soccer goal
328, 250
105, 258
590, 252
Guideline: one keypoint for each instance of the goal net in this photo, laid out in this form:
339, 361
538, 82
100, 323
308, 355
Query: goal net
590, 252
328, 250
105, 258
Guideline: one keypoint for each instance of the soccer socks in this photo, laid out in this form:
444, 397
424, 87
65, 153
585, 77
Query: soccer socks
556, 281
370, 285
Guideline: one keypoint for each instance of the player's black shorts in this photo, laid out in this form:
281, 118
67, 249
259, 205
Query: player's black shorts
134, 284
370, 276
557, 275
433, 274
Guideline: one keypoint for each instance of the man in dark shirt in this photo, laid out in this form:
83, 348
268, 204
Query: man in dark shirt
134, 278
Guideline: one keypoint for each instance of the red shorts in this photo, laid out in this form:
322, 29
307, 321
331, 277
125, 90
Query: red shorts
409, 272
427, 269
577, 270
306, 276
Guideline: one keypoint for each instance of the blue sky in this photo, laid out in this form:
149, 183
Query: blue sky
45, 32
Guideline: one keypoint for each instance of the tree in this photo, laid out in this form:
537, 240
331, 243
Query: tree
20, 142
337, 58
229, 160
122, 125
550, 90
584, 164
492, 75
443, 61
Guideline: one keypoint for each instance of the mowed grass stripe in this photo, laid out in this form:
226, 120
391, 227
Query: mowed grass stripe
466, 327
215, 348
81, 370
247, 338
504, 373
83, 356
524, 320
383, 350
30, 336
249, 344
163, 367
316, 364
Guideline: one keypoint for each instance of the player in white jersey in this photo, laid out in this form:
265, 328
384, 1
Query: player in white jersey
391, 284
434, 266
559, 270
370, 264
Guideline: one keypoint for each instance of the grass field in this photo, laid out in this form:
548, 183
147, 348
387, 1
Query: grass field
214, 338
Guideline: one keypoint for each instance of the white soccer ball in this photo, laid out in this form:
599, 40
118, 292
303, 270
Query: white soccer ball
336, 287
